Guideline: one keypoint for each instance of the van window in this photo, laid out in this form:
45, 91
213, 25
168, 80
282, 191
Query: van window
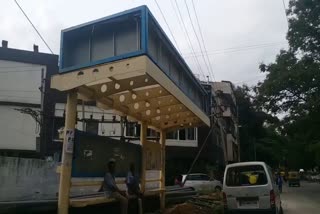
252, 175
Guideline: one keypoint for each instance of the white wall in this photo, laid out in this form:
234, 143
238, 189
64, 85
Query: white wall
20, 82
17, 130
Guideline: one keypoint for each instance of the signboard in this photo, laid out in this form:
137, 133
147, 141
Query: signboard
92, 152
69, 140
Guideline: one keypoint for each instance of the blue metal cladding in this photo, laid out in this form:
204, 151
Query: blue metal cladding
128, 34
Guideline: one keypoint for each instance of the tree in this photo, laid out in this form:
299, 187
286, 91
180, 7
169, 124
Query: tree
258, 137
292, 84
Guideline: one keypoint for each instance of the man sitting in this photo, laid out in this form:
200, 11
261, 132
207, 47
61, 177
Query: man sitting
110, 188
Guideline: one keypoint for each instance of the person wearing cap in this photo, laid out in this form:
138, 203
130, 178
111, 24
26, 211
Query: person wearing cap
111, 189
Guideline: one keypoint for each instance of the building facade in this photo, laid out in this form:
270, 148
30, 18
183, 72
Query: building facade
33, 113
24, 98
227, 119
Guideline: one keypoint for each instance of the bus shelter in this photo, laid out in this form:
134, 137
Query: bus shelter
126, 63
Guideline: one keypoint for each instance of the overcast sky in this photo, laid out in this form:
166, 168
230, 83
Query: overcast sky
238, 34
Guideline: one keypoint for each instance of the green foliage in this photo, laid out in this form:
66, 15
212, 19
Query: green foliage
292, 85
258, 137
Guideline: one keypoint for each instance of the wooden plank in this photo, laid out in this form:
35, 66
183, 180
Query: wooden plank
67, 81
92, 183
153, 180
139, 95
83, 202
143, 140
118, 86
167, 84
65, 175
163, 169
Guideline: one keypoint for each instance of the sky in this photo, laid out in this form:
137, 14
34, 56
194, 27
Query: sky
238, 34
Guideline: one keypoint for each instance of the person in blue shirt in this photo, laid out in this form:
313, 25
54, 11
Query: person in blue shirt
132, 182
279, 181
111, 189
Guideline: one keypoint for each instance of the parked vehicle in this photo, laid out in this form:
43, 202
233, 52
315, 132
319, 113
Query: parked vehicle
249, 187
201, 182
293, 178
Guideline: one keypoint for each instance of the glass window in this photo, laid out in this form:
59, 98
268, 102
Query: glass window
193, 177
172, 135
204, 177
182, 134
130, 129
57, 124
191, 134
254, 175
92, 127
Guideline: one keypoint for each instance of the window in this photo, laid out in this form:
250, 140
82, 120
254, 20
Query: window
152, 133
194, 177
131, 129
57, 124
92, 127
191, 134
182, 134
204, 178
172, 135
253, 175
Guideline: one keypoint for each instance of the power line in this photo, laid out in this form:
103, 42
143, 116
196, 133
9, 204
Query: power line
194, 30
232, 50
34, 27
285, 12
188, 37
165, 20
17, 90
201, 35
180, 24
22, 66
15, 71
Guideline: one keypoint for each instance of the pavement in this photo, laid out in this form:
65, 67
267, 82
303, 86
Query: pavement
301, 200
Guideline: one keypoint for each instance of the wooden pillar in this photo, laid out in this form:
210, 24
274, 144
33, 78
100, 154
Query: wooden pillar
163, 170
143, 139
65, 176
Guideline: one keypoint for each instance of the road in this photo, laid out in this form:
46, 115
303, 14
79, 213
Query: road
301, 200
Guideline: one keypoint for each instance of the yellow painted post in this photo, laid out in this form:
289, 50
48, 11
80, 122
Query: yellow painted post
65, 175
143, 139
163, 170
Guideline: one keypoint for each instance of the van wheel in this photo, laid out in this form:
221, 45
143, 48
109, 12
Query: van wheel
217, 189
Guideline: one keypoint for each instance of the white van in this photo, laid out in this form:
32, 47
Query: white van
249, 187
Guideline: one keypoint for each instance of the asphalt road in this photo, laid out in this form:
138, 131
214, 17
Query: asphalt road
301, 200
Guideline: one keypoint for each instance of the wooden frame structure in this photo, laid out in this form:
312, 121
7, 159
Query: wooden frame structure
135, 85
132, 87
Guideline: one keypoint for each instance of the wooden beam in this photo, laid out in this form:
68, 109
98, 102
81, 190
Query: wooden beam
143, 140
154, 103
163, 80
65, 175
139, 95
186, 122
163, 169
118, 86
163, 111
126, 68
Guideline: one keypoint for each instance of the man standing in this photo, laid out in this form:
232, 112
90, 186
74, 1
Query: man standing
110, 188
279, 182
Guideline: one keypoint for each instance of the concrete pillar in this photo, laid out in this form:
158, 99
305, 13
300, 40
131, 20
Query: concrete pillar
65, 176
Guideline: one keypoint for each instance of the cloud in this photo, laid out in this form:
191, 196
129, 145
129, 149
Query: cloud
225, 24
